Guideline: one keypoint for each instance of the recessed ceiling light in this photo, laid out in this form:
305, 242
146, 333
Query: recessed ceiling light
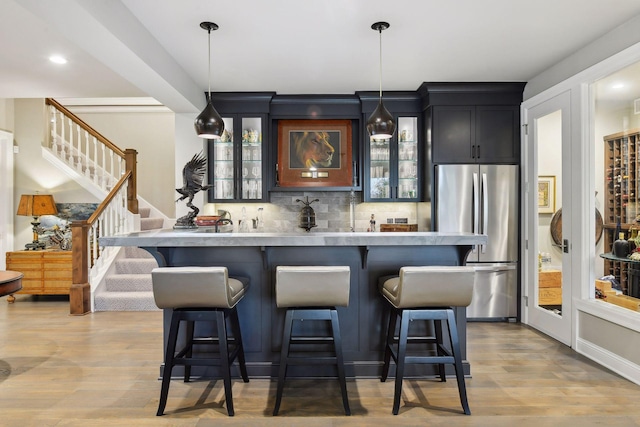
617, 86
57, 59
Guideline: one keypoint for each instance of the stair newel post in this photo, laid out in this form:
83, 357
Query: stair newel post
80, 292
131, 162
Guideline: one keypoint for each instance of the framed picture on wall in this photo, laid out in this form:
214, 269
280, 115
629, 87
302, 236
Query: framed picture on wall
314, 153
546, 194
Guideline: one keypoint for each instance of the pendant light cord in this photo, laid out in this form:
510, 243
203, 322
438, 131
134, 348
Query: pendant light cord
380, 59
209, 32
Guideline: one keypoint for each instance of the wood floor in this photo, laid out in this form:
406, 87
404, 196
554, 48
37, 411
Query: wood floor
102, 369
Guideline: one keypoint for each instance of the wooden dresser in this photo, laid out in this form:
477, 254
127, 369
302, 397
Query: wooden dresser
46, 272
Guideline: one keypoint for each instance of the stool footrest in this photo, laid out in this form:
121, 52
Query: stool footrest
329, 360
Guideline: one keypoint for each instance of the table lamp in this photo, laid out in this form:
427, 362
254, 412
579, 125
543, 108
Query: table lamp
35, 206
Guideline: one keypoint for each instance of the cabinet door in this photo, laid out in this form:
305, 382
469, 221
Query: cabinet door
235, 160
379, 169
454, 134
222, 163
407, 188
497, 134
251, 168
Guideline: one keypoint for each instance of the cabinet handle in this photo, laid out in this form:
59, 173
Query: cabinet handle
478, 151
473, 151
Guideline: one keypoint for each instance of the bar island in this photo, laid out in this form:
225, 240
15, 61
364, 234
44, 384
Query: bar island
256, 255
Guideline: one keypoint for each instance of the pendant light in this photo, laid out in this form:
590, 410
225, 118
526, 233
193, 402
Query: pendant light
209, 124
380, 124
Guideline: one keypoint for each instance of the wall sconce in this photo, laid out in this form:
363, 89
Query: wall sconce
36, 206
380, 124
209, 124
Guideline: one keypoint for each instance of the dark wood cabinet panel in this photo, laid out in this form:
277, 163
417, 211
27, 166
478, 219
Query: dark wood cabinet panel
475, 134
454, 134
497, 129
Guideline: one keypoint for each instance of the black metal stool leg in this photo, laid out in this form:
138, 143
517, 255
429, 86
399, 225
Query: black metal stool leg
455, 349
402, 351
225, 369
284, 354
337, 342
168, 361
391, 331
235, 327
437, 326
189, 345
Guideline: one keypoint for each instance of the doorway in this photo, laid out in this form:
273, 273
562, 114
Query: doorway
547, 273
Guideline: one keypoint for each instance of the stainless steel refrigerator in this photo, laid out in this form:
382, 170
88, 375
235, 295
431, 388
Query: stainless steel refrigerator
484, 199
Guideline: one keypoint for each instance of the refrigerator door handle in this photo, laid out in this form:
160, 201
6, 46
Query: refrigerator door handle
485, 209
476, 208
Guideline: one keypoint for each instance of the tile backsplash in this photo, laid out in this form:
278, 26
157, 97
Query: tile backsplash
332, 211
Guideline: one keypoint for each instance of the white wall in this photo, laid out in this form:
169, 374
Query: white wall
6, 114
152, 135
33, 174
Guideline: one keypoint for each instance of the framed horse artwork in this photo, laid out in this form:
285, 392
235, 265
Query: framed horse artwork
314, 153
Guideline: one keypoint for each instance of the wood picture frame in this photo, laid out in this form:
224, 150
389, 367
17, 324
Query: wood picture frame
546, 194
315, 153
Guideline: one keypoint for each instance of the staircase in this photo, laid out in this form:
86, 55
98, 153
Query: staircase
127, 285
119, 278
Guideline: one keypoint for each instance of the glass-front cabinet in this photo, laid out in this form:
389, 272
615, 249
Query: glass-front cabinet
235, 160
393, 164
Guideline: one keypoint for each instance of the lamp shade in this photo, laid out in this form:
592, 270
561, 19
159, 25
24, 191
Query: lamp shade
209, 124
36, 205
380, 124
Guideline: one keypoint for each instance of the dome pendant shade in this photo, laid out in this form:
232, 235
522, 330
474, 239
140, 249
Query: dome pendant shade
209, 124
380, 124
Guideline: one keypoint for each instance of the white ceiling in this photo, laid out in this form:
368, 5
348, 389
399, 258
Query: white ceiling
148, 48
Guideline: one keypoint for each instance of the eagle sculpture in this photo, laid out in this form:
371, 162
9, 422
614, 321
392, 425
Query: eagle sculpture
192, 177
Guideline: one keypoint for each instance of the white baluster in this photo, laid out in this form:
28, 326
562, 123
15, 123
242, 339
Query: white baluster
104, 168
63, 141
52, 125
87, 162
80, 160
111, 175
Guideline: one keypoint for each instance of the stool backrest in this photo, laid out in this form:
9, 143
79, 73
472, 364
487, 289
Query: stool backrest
185, 287
441, 286
312, 286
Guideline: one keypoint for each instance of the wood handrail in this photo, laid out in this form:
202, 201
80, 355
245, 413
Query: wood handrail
102, 206
85, 126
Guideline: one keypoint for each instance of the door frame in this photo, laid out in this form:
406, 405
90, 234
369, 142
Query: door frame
560, 327
6, 196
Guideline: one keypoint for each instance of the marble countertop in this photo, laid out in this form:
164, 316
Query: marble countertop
203, 237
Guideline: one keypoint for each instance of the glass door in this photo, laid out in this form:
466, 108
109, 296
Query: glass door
548, 305
223, 170
407, 158
380, 168
251, 158
393, 164
236, 160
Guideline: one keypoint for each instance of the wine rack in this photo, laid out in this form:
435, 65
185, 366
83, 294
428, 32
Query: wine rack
622, 185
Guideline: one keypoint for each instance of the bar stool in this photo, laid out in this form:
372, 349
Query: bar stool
312, 293
200, 294
426, 293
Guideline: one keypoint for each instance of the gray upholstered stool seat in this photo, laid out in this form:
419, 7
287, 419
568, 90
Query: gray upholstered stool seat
206, 295
426, 293
312, 293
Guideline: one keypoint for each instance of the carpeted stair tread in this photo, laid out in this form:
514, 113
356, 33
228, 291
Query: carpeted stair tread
125, 301
135, 265
128, 283
135, 252
144, 212
151, 223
